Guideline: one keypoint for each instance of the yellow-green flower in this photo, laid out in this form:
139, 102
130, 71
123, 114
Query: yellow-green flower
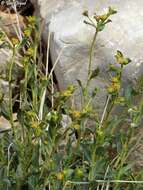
35, 124
15, 41
27, 32
76, 114
25, 61
75, 126
79, 172
68, 92
45, 142
30, 52
120, 100
37, 128
71, 88
60, 176
87, 109
121, 59
31, 21
100, 133
113, 88
115, 79
103, 17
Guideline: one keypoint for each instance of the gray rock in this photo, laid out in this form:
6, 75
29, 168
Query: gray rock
69, 31
7, 24
65, 21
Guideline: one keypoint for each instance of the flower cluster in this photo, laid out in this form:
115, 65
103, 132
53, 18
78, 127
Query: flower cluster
120, 59
99, 21
114, 86
68, 92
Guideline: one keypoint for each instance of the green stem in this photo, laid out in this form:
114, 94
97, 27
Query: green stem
10, 90
108, 114
90, 58
25, 83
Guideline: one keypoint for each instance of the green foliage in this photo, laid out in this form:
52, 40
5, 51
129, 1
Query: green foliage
89, 153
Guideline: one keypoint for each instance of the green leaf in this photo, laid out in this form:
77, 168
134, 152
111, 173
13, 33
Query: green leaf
22, 43
5, 110
85, 13
125, 169
80, 85
129, 94
95, 73
94, 92
111, 11
100, 26
119, 54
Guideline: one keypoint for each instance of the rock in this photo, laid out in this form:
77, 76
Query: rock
7, 24
22, 7
65, 21
4, 125
69, 31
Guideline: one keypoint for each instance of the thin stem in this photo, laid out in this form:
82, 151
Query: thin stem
105, 177
66, 184
52, 91
108, 185
8, 155
108, 113
91, 57
46, 74
56, 62
10, 90
105, 109
18, 23
41, 109
103, 181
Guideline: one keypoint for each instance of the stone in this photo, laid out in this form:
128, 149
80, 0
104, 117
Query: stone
68, 30
64, 20
7, 24
4, 125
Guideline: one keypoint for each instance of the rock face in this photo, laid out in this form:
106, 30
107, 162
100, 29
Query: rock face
7, 24
125, 33
65, 21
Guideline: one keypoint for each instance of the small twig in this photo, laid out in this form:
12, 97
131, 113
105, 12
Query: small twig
56, 62
98, 187
49, 186
104, 111
18, 23
103, 181
105, 177
108, 185
13, 25
52, 91
46, 74
10, 90
91, 57
67, 183
8, 156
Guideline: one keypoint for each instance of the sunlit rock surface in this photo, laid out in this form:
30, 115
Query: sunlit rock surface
68, 30
65, 21
8, 25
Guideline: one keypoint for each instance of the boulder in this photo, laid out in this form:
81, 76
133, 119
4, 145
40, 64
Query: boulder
65, 21
8, 25
68, 30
